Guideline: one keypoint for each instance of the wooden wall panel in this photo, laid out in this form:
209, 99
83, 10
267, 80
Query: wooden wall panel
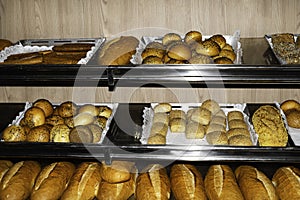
93, 18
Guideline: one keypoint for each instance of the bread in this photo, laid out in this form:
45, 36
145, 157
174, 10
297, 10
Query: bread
105, 111
200, 59
211, 105
96, 132
161, 117
69, 121
101, 121
62, 59
73, 47
282, 38
118, 51
254, 184
194, 130
289, 105
228, 47
83, 118
219, 39
39, 134
286, 182
60, 133
34, 116
293, 118
162, 107
4, 43
187, 183
90, 109
177, 114
218, 120
228, 54
240, 140
18, 181
117, 172
152, 60
67, 109
45, 105
237, 131
222, 60
237, 123
14, 133
192, 36
159, 128
220, 183
24, 58
55, 120
120, 191
5, 165
215, 128
153, 184
52, 181
84, 184
201, 115
208, 47
180, 51
157, 139
177, 125
158, 52
235, 114
269, 126
170, 37
81, 134
217, 138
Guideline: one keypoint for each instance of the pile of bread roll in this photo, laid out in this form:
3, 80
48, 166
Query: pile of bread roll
291, 109
68, 122
122, 180
191, 49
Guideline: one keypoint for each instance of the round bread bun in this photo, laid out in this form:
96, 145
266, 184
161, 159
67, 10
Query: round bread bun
192, 36
105, 111
14, 133
39, 134
211, 105
45, 105
90, 109
153, 52
96, 132
155, 45
194, 130
228, 54
170, 37
180, 51
5, 43
222, 60
55, 120
228, 47
60, 133
219, 39
27, 129
157, 139
293, 118
201, 59
81, 134
200, 115
83, 119
34, 116
209, 48
240, 140
67, 109
289, 105
152, 60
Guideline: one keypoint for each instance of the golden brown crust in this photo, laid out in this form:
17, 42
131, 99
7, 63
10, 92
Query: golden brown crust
153, 52
34, 116
209, 48
293, 118
289, 104
240, 140
217, 138
117, 172
83, 118
159, 128
228, 54
237, 123
39, 134
45, 105
161, 117
89, 108
215, 128
14, 133
5, 165
60, 133
67, 109
81, 134
152, 60
170, 37
211, 105
223, 60
201, 115
179, 51
54, 59
235, 114
4, 43
192, 36
73, 47
54, 120
163, 107
157, 139
237, 131
219, 39
177, 125
200, 59
194, 130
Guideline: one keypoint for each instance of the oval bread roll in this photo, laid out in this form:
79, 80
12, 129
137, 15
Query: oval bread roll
52, 181
14, 133
187, 182
163, 107
235, 114
34, 116
117, 172
45, 105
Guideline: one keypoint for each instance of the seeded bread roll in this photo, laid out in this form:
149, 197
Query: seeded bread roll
211, 105
235, 114
14, 133
237, 123
228, 54
254, 184
38, 134
217, 138
45, 105
237, 131
177, 125
240, 140
219, 39
200, 115
170, 37
152, 60
105, 111
222, 60
156, 52
200, 59
192, 36
194, 130
180, 51
55, 120
208, 48
187, 182
220, 183
177, 114
67, 109
34, 116
60, 133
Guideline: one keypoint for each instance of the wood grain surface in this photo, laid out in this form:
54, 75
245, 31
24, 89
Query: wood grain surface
93, 18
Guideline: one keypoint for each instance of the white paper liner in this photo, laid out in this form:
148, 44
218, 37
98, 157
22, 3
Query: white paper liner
113, 106
233, 40
293, 132
19, 48
179, 138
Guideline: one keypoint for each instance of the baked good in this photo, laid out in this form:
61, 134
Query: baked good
90, 109
187, 182
83, 118
200, 59
179, 51
101, 121
192, 36
60, 133
220, 183
166, 58
222, 60
105, 111
69, 121
170, 37
228, 54
162, 107
67, 109
152, 60
14, 133
201, 115
24, 58
157, 139
159, 128
5, 165
118, 51
45, 105
293, 118
237, 123
215, 128
54, 120
289, 104
153, 183
34, 116
177, 125
177, 114
194, 130
254, 184
282, 38
54, 59
221, 113
38, 134
218, 120
216, 138
237, 131
19, 180
235, 114
228, 47
208, 47
84, 183
4, 43
176, 62
117, 172
73, 47
286, 182
211, 105
161, 117
81, 134
298, 42
155, 45
155, 52
52, 181
96, 132
219, 39
240, 140
269, 126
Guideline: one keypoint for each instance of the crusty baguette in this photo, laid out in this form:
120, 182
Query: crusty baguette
24, 58
5, 165
84, 183
4, 43
18, 182
220, 183
118, 51
52, 58
52, 181
187, 182
254, 184
287, 183
153, 184
73, 47
117, 172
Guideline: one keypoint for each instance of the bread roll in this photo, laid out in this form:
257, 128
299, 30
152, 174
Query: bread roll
157, 139
5, 165
180, 51
237, 131
194, 130
24, 58
201, 115
159, 128
84, 184
73, 47
83, 118
208, 48
45, 105
218, 120
293, 118
221, 113
105, 111
90, 109
219, 39
96, 132
34, 116
156, 52
187, 182
220, 183
4, 43
161, 117
55, 59
211, 105
215, 127
153, 184
81, 134
200, 59
222, 60
117, 172
237, 123
177, 125
38, 134
118, 51
101, 121
52, 181
217, 138
163, 107
228, 54
177, 114
67, 109
60, 133
55, 120
192, 36
18, 182
170, 37
235, 114
286, 182
289, 105
14, 133
254, 184
152, 60
240, 140
228, 47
